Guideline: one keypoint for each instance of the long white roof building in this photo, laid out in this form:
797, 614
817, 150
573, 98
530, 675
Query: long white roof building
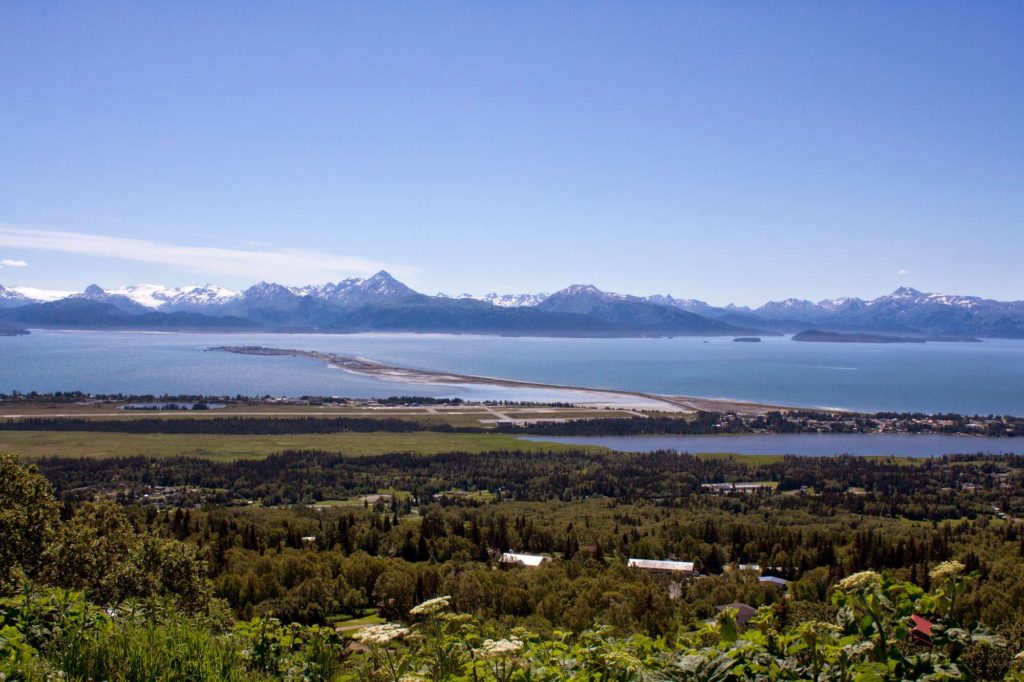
528, 560
660, 565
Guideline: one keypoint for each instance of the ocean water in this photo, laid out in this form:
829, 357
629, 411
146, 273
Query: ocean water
976, 378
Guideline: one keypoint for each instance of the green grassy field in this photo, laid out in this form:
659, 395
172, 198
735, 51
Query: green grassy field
752, 460
351, 625
36, 444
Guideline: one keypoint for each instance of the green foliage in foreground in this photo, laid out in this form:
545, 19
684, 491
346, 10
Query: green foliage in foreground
56, 634
93, 593
871, 639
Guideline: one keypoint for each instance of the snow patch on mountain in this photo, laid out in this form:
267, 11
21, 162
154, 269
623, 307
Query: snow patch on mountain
157, 296
149, 295
41, 295
508, 300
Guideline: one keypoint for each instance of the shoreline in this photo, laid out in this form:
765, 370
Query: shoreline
372, 368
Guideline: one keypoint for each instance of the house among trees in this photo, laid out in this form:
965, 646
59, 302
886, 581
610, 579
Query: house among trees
744, 612
660, 566
525, 560
737, 488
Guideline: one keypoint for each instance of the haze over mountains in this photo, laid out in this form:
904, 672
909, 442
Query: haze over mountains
382, 303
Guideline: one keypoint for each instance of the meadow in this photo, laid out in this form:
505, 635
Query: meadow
35, 444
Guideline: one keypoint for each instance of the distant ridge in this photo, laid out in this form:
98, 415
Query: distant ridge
383, 303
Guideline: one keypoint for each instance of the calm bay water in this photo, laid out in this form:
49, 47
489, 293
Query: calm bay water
806, 444
957, 377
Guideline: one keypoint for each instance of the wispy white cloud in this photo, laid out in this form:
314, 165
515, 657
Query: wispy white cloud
12, 263
290, 266
902, 272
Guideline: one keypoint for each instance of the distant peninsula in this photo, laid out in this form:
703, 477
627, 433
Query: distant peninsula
11, 330
819, 336
747, 339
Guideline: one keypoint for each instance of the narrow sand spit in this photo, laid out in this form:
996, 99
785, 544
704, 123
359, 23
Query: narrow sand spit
580, 395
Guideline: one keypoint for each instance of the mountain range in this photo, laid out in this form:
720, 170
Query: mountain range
382, 303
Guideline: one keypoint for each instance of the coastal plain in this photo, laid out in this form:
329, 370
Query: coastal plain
38, 444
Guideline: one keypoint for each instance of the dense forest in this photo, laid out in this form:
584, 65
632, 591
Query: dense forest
952, 487
225, 555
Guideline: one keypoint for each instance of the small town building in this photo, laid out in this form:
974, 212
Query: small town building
922, 630
744, 612
661, 566
526, 560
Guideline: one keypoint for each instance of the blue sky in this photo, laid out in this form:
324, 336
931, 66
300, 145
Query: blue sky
725, 151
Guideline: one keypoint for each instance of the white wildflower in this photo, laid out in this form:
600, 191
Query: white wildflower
846, 617
380, 634
947, 569
818, 630
431, 606
622, 660
456, 618
859, 650
499, 648
859, 582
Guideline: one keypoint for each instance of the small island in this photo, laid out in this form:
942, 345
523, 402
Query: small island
747, 339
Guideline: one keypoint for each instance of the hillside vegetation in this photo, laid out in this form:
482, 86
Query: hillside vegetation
317, 566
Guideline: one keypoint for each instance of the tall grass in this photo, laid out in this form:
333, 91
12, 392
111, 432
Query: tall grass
147, 652
59, 635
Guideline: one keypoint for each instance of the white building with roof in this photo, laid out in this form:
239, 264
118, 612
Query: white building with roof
526, 560
662, 566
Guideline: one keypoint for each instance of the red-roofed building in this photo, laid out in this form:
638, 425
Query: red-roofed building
922, 630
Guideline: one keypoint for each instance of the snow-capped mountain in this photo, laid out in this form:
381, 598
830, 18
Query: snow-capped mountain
907, 295
97, 294
199, 295
382, 302
149, 295
791, 308
160, 297
690, 305
267, 291
10, 298
842, 303
633, 312
356, 290
506, 300
36, 295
